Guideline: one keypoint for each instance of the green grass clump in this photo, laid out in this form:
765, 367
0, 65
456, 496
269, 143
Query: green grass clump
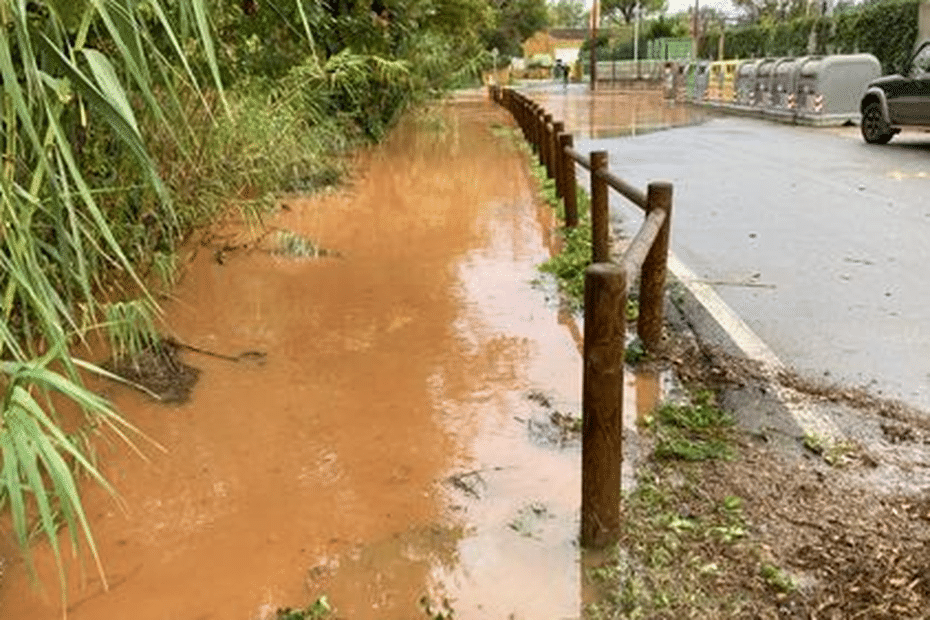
676, 545
130, 326
317, 610
692, 432
777, 579
569, 265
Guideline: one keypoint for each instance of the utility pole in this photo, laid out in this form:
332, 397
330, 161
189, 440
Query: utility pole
595, 18
636, 38
695, 24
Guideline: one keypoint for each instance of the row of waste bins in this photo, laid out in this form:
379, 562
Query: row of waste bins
817, 90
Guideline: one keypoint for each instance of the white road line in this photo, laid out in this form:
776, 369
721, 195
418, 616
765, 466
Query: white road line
742, 335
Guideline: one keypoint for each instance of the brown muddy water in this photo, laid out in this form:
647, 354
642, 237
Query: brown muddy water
610, 112
394, 443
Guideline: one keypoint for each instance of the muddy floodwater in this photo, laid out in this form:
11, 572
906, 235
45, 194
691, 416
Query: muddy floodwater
395, 441
613, 111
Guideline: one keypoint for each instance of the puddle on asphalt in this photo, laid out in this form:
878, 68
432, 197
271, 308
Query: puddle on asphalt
403, 362
610, 113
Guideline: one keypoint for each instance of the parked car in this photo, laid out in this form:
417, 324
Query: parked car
895, 101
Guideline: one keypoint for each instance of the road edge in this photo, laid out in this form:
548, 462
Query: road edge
714, 321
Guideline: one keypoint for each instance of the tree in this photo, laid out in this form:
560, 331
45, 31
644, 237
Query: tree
666, 27
709, 17
568, 14
517, 21
772, 10
626, 9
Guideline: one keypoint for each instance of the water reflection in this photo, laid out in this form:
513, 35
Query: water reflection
610, 113
392, 578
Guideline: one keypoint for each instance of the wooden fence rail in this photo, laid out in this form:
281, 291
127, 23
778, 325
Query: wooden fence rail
606, 293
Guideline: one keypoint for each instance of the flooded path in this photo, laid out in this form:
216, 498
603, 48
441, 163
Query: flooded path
385, 451
613, 112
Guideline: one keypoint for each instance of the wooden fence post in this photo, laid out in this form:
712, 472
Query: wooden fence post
537, 130
527, 119
569, 190
525, 115
600, 217
545, 144
652, 281
557, 128
602, 403
530, 120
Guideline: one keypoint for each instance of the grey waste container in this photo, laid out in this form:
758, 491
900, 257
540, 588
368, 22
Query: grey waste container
784, 86
696, 80
772, 95
760, 90
745, 82
829, 89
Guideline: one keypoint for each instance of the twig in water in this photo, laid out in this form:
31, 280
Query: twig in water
252, 355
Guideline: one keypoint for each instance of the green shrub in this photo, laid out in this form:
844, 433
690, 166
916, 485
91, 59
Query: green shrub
886, 29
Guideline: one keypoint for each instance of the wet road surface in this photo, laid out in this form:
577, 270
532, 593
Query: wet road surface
816, 239
612, 112
385, 450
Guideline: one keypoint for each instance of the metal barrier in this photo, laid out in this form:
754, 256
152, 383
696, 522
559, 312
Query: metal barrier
606, 291
629, 70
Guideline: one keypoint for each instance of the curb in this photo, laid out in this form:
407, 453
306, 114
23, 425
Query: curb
715, 322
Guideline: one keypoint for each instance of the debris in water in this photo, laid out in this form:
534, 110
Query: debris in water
898, 433
294, 245
539, 398
469, 483
528, 519
557, 428
158, 370
257, 357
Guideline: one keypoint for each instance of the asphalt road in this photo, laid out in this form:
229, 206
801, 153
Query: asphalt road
817, 240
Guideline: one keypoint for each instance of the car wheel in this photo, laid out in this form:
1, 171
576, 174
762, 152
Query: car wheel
874, 128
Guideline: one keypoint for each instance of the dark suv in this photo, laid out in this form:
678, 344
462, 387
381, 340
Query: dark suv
895, 101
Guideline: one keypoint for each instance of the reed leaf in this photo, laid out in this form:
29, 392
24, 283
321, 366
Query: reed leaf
86, 69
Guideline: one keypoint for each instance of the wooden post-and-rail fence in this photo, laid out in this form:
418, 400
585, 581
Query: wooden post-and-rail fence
605, 302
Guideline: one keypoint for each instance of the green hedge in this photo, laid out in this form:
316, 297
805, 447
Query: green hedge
886, 29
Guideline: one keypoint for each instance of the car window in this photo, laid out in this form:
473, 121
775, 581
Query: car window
921, 64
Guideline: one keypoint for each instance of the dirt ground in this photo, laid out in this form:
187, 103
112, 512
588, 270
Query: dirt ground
793, 525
